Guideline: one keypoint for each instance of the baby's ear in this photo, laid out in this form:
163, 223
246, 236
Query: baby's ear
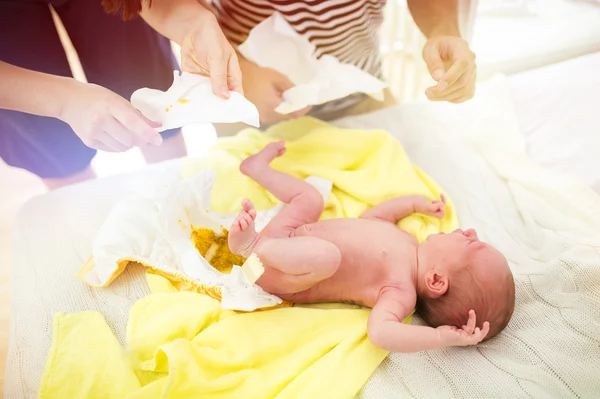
436, 284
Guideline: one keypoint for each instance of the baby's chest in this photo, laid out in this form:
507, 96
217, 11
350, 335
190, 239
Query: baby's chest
383, 249
391, 250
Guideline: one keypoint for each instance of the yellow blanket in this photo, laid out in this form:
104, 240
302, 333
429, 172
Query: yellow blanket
366, 168
183, 345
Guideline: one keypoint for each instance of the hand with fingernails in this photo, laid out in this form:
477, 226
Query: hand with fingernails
264, 87
104, 120
452, 65
206, 51
468, 335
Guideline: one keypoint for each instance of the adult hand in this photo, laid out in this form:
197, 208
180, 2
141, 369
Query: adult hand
104, 120
465, 336
452, 64
206, 51
264, 87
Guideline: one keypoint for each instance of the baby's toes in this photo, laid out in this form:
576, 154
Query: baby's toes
243, 223
247, 205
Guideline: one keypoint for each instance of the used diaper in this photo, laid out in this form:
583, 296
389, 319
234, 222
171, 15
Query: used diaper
173, 233
190, 100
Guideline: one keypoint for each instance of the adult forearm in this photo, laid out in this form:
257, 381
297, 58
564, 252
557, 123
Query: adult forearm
175, 18
32, 92
435, 17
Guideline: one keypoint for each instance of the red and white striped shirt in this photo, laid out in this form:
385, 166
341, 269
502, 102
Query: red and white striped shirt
345, 29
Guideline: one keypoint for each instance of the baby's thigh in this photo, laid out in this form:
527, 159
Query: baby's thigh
295, 264
287, 223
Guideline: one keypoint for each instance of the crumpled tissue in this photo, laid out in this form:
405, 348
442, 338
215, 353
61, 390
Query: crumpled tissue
190, 100
275, 44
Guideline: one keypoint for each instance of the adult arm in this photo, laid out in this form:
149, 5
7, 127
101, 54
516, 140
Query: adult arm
435, 17
204, 48
450, 61
102, 119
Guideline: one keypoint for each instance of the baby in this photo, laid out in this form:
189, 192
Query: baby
369, 261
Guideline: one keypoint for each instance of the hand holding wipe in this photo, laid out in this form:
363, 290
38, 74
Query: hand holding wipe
276, 45
190, 100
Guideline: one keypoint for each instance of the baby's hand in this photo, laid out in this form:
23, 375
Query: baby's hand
435, 208
465, 336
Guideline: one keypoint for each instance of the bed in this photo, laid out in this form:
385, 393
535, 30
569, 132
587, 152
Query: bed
555, 121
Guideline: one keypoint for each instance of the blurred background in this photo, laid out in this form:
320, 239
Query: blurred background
508, 36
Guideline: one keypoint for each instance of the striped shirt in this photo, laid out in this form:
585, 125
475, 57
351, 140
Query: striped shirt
345, 29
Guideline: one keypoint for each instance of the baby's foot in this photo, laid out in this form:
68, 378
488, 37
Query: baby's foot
255, 163
242, 234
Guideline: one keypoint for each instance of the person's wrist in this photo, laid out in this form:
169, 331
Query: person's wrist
193, 19
440, 341
417, 204
444, 30
65, 90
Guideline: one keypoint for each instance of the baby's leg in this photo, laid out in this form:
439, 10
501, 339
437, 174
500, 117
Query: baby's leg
291, 264
305, 203
295, 264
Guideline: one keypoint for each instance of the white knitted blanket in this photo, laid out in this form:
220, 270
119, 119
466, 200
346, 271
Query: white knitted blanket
546, 225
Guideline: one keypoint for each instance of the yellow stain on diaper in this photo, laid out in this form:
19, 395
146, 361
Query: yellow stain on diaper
182, 101
215, 249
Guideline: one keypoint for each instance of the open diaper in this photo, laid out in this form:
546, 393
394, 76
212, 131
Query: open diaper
173, 233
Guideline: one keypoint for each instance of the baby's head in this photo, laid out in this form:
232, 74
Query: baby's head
457, 273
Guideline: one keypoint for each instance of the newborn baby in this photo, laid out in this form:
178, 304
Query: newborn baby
451, 279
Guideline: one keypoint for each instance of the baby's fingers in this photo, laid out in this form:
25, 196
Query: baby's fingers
479, 334
485, 331
470, 327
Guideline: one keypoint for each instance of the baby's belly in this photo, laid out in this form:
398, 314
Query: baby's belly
369, 249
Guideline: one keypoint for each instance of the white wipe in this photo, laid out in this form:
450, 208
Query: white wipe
275, 44
190, 100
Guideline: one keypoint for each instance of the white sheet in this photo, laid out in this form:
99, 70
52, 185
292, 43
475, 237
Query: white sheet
553, 31
559, 115
54, 236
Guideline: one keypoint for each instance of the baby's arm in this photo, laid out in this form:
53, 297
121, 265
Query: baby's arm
398, 208
386, 330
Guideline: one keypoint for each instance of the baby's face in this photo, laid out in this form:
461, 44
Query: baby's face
478, 273
462, 247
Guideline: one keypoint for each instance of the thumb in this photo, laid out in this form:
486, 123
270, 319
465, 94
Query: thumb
283, 83
149, 121
218, 76
433, 59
